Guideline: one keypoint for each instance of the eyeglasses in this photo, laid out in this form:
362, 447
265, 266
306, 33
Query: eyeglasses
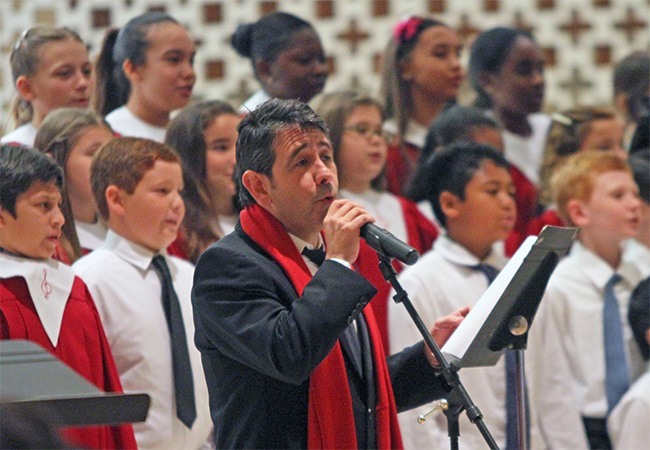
366, 130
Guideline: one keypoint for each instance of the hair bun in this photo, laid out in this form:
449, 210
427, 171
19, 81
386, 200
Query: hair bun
242, 39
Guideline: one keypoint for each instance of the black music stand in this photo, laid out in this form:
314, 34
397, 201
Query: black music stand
509, 322
33, 378
506, 326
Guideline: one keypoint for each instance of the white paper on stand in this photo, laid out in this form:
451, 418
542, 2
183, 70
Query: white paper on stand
459, 341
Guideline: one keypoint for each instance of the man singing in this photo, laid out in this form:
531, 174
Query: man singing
292, 357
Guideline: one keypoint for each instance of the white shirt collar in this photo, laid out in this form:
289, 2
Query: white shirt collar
457, 254
136, 255
49, 283
91, 235
599, 270
414, 134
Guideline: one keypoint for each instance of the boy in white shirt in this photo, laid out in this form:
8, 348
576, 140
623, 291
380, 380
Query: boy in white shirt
143, 295
581, 344
472, 195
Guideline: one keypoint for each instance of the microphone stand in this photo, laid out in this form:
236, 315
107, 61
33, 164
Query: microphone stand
458, 399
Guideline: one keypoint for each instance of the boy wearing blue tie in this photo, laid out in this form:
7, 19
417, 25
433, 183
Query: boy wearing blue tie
581, 344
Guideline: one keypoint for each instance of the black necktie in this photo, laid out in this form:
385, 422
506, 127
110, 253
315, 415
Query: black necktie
183, 382
350, 335
512, 432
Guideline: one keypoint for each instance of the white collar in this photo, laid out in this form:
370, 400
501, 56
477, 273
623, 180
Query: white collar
415, 134
91, 235
49, 283
455, 253
136, 255
599, 271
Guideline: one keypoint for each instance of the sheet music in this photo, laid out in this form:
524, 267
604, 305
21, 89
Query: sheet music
459, 342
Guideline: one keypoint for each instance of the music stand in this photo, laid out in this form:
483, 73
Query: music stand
33, 378
506, 326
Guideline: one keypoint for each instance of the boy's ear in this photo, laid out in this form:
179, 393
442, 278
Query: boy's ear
449, 204
24, 88
3, 217
578, 212
258, 186
115, 200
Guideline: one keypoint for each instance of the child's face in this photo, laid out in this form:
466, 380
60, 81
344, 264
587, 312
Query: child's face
605, 135
363, 150
63, 78
167, 78
153, 213
613, 211
299, 71
489, 204
220, 141
36, 229
433, 68
518, 87
77, 167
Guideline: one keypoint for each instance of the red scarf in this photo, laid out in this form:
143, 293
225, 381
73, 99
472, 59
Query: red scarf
331, 420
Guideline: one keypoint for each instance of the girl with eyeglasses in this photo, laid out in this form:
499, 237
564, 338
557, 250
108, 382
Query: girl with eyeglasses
360, 150
50, 68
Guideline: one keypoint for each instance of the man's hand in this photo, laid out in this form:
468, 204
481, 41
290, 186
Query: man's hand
442, 329
342, 227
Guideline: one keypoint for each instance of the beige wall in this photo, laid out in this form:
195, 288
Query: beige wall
589, 54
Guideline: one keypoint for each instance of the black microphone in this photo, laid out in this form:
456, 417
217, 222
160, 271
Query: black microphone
388, 245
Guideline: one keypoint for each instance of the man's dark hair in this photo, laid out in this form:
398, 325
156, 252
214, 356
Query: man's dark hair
452, 168
257, 133
20, 168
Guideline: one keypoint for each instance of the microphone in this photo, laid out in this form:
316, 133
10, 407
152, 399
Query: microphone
388, 245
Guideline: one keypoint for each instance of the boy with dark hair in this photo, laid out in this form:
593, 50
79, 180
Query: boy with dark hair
41, 299
472, 195
143, 295
581, 345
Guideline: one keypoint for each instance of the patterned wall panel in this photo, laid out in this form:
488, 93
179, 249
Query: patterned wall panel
582, 39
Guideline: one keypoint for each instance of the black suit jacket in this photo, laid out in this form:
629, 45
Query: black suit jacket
259, 343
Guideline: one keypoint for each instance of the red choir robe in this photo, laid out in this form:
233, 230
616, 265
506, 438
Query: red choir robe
81, 344
400, 164
549, 217
526, 201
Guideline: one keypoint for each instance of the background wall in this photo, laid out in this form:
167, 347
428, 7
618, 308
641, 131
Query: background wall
582, 39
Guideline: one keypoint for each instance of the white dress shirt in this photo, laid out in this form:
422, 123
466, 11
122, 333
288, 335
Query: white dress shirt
24, 134
91, 235
438, 284
639, 255
384, 207
127, 291
566, 345
526, 153
629, 420
254, 101
127, 124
